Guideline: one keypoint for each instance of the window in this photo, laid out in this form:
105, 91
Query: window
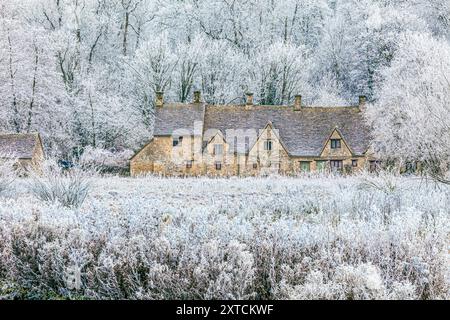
255, 166
177, 141
218, 165
268, 145
189, 164
305, 166
335, 143
218, 149
354, 163
374, 166
320, 165
336, 165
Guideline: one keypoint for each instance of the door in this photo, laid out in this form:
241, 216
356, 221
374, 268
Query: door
305, 166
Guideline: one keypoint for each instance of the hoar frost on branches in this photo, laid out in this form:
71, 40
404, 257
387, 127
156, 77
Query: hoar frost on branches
234, 239
411, 119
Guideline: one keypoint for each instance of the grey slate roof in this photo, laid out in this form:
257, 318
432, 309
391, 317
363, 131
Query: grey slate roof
304, 132
173, 117
18, 145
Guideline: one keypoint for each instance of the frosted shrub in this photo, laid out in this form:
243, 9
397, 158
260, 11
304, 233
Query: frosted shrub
225, 273
69, 188
106, 160
284, 238
361, 282
403, 291
7, 174
346, 282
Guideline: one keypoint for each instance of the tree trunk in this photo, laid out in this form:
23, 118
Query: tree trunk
125, 32
13, 87
33, 88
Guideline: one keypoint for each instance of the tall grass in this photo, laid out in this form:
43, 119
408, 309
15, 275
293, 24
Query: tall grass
7, 173
370, 237
57, 185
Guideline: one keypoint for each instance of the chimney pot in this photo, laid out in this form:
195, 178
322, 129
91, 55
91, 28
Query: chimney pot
159, 99
298, 103
249, 98
197, 96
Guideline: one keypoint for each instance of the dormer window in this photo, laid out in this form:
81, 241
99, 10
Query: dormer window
335, 143
268, 145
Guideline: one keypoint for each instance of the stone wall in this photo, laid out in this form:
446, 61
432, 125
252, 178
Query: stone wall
161, 158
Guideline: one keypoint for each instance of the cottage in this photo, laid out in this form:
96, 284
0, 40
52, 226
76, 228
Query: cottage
25, 149
248, 140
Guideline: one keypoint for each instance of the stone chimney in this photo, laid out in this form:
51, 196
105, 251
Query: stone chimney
197, 96
298, 103
362, 102
249, 99
159, 101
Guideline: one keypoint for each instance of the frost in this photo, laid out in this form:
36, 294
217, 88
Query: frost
156, 238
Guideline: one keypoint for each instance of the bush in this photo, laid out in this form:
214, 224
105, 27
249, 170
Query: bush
107, 161
155, 238
7, 174
66, 187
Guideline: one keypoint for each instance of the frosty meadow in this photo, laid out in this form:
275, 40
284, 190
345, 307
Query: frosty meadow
364, 237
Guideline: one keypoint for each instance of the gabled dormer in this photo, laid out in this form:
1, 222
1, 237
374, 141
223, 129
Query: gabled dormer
268, 148
335, 146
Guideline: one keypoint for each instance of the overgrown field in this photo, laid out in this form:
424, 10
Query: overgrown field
364, 237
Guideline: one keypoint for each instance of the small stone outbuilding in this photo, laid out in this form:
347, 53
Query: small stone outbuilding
25, 149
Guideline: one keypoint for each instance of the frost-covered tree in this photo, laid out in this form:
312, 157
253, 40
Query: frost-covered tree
280, 72
221, 72
32, 97
411, 118
99, 62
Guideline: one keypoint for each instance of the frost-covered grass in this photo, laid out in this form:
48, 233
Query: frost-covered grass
260, 238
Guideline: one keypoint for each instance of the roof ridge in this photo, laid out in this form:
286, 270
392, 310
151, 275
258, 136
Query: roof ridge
253, 107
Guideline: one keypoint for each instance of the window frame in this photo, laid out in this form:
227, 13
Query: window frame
354, 163
220, 146
268, 145
337, 168
336, 143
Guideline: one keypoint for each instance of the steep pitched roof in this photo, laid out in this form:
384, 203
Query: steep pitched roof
173, 117
302, 132
21, 146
